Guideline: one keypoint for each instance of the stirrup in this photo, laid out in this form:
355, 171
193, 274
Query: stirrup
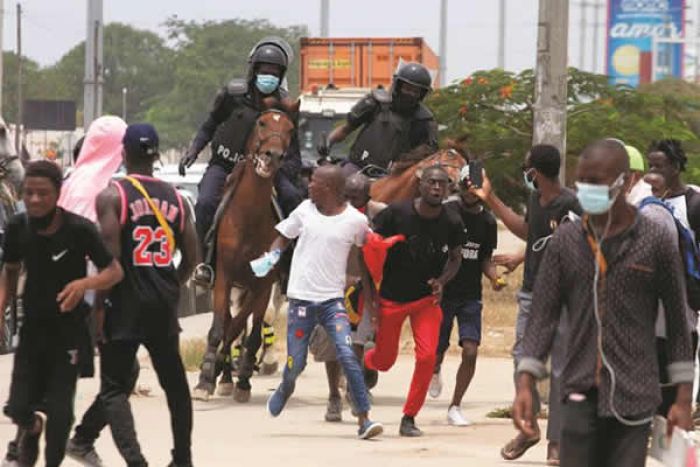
204, 275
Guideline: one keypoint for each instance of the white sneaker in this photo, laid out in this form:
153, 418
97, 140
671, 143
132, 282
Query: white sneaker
455, 417
435, 386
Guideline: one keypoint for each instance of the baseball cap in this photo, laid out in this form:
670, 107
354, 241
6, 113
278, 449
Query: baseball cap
636, 159
141, 139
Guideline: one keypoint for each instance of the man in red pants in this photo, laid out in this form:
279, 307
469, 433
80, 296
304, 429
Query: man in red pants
415, 273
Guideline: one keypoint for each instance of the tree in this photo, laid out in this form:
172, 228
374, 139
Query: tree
491, 111
31, 83
207, 55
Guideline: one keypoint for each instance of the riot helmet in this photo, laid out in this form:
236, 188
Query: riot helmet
267, 54
277, 42
410, 85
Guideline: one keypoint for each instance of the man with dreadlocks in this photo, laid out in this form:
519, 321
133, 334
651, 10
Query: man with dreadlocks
667, 158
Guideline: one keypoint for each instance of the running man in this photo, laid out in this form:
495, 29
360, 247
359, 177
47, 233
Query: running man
462, 296
51, 244
415, 274
143, 221
326, 227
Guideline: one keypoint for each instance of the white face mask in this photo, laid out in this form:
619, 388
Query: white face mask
598, 199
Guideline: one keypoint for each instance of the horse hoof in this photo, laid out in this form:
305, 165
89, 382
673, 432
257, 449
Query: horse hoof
241, 395
224, 389
269, 368
200, 395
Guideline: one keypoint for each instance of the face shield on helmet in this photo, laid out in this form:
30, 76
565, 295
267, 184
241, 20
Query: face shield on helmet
411, 84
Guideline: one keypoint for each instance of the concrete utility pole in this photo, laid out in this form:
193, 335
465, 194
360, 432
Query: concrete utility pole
18, 122
92, 102
582, 37
2, 31
549, 123
502, 35
443, 42
325, 17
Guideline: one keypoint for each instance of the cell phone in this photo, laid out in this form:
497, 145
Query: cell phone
476, 177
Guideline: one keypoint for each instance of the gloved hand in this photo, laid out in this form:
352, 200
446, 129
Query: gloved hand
186, 162
263, 265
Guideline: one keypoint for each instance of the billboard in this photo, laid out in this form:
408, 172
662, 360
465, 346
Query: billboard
632, 24
49, 115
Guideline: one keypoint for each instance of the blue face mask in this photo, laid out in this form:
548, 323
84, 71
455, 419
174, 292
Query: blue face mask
530, 184
267, 84
597, 199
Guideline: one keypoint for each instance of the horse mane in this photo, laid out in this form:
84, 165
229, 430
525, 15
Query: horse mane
424, 151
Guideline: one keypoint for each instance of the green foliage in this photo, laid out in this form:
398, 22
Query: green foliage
492, 111
207, 55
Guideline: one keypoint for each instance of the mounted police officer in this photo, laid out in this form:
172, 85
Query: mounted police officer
234, 112
392, 123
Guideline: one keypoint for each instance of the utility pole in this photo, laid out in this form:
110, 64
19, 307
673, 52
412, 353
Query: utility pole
125, 92
325, 17
18, 122
502, 34
549, 122
596, 33
582, 37
2, 30
443, 42
92, 102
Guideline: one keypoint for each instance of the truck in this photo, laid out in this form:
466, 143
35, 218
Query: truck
337, 72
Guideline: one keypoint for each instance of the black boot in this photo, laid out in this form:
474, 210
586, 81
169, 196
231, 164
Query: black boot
408, 427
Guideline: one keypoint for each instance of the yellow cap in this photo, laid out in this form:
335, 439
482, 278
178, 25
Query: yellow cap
636, 159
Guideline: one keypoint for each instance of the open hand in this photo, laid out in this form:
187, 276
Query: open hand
71, 295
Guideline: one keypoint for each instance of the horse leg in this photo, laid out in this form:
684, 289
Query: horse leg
225, 384
254, 303
208, 369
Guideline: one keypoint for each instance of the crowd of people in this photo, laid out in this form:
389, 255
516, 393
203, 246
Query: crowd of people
610, 287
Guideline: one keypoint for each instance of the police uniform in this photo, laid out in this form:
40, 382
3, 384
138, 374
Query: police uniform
228, 126
387, 134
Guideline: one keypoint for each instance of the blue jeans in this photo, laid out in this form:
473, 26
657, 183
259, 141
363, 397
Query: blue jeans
301, 319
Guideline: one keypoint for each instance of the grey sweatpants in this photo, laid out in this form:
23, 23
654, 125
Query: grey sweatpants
557, 362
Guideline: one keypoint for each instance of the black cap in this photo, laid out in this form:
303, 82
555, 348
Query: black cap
141, 139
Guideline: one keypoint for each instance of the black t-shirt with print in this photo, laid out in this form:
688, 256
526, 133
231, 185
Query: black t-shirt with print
542, 221
411, 264
481, 240
51, 262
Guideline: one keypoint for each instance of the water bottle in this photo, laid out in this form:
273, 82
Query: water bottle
262, 266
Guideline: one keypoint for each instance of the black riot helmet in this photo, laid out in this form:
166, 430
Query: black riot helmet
414, 74
277, 42
267, 53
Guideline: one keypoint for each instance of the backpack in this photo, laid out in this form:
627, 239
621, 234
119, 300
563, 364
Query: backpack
689, 252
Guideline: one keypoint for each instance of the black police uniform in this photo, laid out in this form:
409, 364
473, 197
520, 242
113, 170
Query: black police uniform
386, 133
230, 121
142, 309
53, 345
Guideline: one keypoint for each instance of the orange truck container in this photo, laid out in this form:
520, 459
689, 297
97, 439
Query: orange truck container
360, 62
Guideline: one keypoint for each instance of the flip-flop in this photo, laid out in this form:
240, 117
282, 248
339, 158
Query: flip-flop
517, 446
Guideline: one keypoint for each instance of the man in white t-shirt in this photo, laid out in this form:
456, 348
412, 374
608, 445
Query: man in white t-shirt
326, 228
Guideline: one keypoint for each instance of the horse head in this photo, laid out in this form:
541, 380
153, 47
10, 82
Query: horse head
10, 165
269, 141
450, 160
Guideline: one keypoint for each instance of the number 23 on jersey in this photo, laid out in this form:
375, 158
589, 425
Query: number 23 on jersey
144, 253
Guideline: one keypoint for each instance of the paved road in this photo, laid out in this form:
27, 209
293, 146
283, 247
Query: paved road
227, 433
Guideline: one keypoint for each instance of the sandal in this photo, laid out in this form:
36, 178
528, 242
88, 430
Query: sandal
517, 446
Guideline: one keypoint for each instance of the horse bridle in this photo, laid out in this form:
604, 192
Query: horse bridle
275, 134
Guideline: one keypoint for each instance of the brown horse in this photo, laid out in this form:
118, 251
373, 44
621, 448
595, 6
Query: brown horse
402, 183
245, 232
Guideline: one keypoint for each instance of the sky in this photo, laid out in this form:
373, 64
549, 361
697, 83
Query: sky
52, 27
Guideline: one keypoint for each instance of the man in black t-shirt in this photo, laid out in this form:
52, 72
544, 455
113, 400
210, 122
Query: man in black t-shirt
415, 274
52, 245
549, 205
462, 297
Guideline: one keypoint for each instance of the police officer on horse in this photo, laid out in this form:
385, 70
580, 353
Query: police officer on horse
393, 123
234, 113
